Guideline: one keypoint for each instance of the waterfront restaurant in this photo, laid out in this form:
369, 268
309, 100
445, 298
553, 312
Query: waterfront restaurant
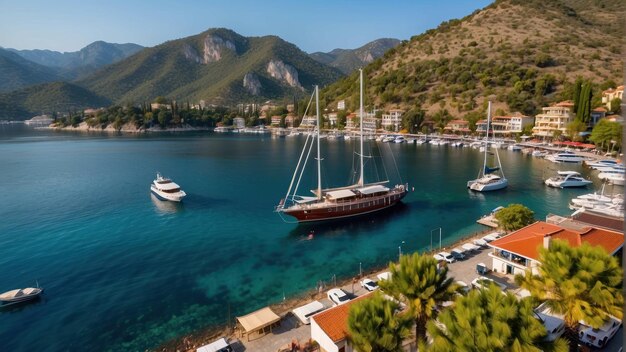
518, 252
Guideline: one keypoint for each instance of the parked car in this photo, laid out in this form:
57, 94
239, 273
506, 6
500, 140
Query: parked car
338, 296
368, 284
599, 337
463, 287
458, 254
482, 269
484, 282
445, 256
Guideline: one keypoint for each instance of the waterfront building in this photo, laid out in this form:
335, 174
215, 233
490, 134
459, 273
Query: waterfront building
330, 328
502, 126
39, 121
332, 119
553, 118
341, 105
308, 121
159, 106
458, 126
611, 94
239, 122
596, 115
519, 251
276, 120
393, 120
369, 121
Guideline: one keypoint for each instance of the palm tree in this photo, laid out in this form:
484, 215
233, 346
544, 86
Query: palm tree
418, 282
582, 283
490, 320
373, 325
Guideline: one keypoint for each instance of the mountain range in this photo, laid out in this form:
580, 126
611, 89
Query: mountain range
348, 60
520, 54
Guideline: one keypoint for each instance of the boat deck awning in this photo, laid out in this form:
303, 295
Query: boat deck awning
372, 189
342, 193
258, 320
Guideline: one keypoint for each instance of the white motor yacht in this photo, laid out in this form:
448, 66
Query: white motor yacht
604, 163
166, 189
565, 157
514, 148
567, 179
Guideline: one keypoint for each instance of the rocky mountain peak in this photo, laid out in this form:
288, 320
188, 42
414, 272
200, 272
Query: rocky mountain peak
214, 46
283, 72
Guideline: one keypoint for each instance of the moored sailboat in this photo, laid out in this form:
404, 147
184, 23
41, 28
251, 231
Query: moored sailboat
342, 202
489, 178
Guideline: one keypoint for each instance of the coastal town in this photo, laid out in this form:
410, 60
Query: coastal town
312, 177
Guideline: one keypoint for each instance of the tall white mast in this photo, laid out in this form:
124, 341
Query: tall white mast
319, 159
487, 137
361, 123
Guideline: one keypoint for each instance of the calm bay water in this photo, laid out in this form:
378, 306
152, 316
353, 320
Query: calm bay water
123, 271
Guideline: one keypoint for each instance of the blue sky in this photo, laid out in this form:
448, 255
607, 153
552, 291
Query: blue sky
68, 25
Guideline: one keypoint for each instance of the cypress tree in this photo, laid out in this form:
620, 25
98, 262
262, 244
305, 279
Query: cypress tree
583, 112
577, 88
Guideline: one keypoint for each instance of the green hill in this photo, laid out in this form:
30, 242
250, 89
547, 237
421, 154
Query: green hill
211, 66
47, 98
348, 60
17, 72
521, 54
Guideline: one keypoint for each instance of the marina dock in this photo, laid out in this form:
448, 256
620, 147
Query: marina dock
488, 220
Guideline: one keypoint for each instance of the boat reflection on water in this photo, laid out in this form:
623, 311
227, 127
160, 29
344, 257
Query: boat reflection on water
355, 225
165, 207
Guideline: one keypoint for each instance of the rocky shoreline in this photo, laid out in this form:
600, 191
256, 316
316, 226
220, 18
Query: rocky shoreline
126, 128
190, 342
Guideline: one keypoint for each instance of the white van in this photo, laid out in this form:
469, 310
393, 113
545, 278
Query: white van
306, 311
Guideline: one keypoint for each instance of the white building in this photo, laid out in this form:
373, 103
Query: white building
341, 105
505, 125
393, 120
239, 122
611, 94
308, 121
553, 118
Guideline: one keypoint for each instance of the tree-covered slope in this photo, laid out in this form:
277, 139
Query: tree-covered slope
521, 54
47, 98
211, 66
17, 72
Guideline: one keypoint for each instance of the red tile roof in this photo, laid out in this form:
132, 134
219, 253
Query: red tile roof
334, 321
527, 241
567, 103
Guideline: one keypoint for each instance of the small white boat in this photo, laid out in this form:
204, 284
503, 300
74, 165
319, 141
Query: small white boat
538, 154
21, 295
165, 189
565, 157
609, 173
399, 139
389, 139
420, 141
616, 179
567, 179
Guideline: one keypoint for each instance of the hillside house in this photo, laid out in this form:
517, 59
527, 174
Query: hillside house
393, 120
457, 126
611, 94
553, 118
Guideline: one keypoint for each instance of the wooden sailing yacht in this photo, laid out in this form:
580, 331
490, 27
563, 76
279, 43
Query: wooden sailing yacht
489, 178
342, 202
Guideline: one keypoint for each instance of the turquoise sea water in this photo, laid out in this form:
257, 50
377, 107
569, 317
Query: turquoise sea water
123, 271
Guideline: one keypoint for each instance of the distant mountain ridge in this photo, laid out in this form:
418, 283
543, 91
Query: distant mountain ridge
348, 60
47, 98
218, 66
17, 72
72, 64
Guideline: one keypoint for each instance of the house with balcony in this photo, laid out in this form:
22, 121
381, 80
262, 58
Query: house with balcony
308, 121
553, 118
369, 121
393, 120
276, 120
611, 94
332, 119
518, 252
457, 127
505, 126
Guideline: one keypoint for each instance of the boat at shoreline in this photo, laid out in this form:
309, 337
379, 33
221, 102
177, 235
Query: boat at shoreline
567, 179
487, 179
342, 202
165, 189
565, 157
